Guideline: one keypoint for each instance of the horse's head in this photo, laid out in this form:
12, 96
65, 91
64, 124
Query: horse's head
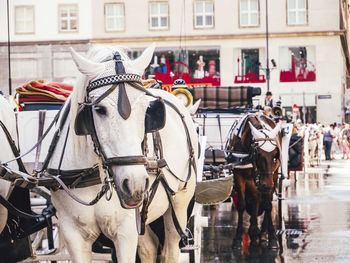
115, 111
266, 143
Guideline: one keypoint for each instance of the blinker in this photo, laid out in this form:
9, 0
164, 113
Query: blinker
83, 124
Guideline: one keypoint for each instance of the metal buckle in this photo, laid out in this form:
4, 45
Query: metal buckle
109, 182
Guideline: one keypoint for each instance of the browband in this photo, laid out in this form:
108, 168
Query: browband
114, 79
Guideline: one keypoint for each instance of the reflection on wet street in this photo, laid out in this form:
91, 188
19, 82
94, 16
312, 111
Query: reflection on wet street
315, 225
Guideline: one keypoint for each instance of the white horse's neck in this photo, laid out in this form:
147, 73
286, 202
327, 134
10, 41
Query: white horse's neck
77, 153
7, 116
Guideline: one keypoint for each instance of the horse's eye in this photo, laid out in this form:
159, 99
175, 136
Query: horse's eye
100, 110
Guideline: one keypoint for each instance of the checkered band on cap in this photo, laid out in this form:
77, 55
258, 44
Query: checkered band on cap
114, 79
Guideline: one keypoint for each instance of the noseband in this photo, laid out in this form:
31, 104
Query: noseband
255, 147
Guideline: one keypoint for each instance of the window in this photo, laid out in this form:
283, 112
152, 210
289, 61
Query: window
159, 15
24, 19
114, 17
249, 12
196, 66
203, 14
297, 64
68, 18
296, 12
248, 66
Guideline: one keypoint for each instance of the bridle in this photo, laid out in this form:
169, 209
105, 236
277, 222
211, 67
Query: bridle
255, 153
84, 123
249, 160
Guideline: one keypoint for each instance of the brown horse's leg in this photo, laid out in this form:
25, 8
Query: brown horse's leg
240, 188
263, 233
253, 201
267, 225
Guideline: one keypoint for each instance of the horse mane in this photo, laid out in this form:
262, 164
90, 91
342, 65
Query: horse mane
7, 116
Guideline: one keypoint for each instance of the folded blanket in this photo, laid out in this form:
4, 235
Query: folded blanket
43, 92
219, 97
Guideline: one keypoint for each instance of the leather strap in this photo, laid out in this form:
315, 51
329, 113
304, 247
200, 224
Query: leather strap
127, 160
13, 148
77, 178
16, 212
124, 106
42, 114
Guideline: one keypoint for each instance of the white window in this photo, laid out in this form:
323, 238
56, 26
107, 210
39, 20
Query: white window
296, 12
24, 19
68, 18
114, 17
204, 14
159, 15
249, 12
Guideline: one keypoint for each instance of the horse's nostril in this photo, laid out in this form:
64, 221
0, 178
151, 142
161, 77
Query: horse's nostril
147, 184
125, 186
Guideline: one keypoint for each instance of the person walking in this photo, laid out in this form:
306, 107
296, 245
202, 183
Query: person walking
345, 147
327, 141
269, 100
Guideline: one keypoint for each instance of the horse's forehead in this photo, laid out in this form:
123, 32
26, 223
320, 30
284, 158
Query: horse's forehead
109, 70
134, 96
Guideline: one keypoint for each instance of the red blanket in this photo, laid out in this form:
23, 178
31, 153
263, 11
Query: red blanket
39, 91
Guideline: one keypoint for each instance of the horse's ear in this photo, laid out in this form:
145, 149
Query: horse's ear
193, 109
85, 66
142, 62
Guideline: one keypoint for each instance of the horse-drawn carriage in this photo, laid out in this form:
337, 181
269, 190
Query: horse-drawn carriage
141, 145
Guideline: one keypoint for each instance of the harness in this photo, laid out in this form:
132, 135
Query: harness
248, 159
84, 125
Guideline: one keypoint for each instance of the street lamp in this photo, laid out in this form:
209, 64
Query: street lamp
9, 47
267, 47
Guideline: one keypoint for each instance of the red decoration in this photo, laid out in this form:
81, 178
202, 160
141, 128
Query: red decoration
302, 70
168, 80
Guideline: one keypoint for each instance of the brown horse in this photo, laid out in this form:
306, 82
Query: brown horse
255, 145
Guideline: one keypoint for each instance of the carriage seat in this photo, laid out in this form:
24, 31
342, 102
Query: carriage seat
214, 156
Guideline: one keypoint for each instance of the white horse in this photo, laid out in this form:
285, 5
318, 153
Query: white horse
7, 116
119, 137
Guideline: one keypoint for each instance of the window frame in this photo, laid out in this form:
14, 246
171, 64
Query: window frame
306, 14
33, 20
151, 28
105, 17
68, 20
203, 15
249, 15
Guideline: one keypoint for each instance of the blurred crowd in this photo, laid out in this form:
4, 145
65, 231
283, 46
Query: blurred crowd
335, 138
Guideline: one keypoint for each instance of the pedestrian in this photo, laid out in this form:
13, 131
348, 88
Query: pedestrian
336, 141
345, 147
267, 111
268, 99
327, 141
346, 131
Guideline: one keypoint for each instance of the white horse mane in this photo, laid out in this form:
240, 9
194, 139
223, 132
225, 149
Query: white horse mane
7, 116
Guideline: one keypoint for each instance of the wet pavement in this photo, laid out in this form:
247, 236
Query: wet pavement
315, 225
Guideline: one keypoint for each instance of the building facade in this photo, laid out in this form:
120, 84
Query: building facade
211, 42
